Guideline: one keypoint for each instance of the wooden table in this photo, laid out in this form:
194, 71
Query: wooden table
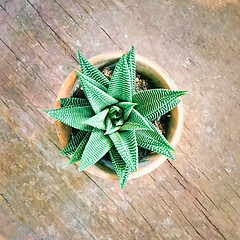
197, 197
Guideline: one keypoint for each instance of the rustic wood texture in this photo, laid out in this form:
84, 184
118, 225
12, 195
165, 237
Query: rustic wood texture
197, 197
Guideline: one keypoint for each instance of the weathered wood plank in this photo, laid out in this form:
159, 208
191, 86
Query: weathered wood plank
11, 226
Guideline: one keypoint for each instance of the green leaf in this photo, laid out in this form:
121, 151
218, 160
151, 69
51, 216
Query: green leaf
92, 81
131, 126
120, 84
153, 136
157, 148
150, 102
126, 144
115, 112
97, 98
77, 102
127, 108
73, 144
118, 122
98, 145
98, 120
132, 68
91, 71
154, 141
135, 121
110, 128
120, 166
73, 116
161, 111
79, 151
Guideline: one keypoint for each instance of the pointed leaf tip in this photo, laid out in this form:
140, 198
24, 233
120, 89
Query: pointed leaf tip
97, 141
126, 144
98, 120
120, 84
97, 97
120, 166
132, 68
43, 110
91, 71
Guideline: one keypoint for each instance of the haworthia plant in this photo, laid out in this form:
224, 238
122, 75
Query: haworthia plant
114, 118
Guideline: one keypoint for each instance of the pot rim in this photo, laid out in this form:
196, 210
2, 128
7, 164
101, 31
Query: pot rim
155, 160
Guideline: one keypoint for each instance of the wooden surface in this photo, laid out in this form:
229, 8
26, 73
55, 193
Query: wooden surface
197, 197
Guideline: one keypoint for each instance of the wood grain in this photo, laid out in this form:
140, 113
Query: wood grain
196, 197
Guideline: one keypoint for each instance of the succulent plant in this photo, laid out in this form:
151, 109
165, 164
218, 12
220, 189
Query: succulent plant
115, 119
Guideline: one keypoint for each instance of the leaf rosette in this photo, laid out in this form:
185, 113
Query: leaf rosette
115, 119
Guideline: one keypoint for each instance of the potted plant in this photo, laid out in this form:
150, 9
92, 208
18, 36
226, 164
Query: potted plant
112, 118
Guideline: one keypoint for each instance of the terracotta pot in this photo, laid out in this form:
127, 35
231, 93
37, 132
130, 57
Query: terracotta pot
159, 78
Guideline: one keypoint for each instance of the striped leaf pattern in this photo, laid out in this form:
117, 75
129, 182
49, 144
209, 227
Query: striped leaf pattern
135, 121
97, 141
79, 151
161, 111
92, 81
157, 148
73, 116
120, 166
120, 84
114, 119
156, 99
74, 142
155, 135
154, 141
91, 71
126, 144
98, 120
132, 68
97, 98
110, 128
77, 102
127, 107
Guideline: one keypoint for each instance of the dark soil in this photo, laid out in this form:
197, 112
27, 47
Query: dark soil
141, 85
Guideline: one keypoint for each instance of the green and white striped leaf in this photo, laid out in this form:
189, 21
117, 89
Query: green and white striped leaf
135, 121
132, 68
98, 131
98, 145
73, 116
73, 144
151, 101
92, 81
97, 98
120, 166
120, 84
98, 120
127, 108
79, 151
161, 111
153, 136
77, 102
110, 128
91, 71
157, 148
126, 144
154, 141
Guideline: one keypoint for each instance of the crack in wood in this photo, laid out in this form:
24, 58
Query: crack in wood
14, 213
80, 222
25, 68
66, 45
100, 27
69, 15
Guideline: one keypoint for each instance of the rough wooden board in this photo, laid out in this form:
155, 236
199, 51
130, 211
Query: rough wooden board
12, 227
196, 197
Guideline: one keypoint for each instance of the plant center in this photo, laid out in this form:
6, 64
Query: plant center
116, 115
